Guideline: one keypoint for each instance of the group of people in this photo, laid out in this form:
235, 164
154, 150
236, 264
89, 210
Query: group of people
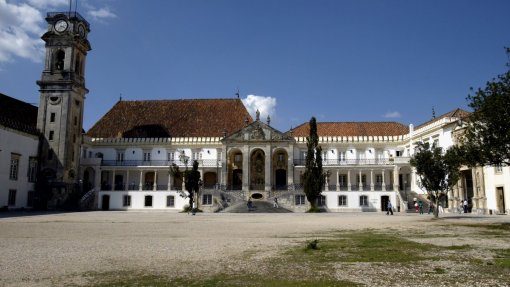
418, 205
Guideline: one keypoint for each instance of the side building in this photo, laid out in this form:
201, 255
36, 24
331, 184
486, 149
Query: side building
19, 144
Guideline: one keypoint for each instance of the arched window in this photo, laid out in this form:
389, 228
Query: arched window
59, 60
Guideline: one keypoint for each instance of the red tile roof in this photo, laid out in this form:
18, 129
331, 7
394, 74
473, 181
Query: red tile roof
353, 129
18, 115
172, 118
457, 113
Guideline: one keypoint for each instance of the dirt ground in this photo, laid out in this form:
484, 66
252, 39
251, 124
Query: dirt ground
52, 249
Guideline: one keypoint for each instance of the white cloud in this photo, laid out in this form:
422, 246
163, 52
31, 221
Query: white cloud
20, 29
101, 14
392, 115
265, 105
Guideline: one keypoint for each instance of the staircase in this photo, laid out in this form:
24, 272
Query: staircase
257, 207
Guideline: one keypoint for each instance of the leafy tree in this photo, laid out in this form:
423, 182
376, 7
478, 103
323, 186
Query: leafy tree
313, 177
438, 171
191, 180
486, 140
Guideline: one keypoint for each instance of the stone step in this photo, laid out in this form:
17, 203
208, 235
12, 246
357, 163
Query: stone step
257, 207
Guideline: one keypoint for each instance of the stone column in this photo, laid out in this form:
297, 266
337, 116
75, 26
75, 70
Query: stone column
372, 180
290, 167
360, 183
113, 179
246, 168
383, 181
155, 183
127, 180
348, 180
337, 180
267, 167
140, 187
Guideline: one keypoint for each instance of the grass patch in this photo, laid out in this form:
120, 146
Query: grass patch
363, 247
502, 258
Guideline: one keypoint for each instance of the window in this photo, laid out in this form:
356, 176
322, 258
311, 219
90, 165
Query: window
146, 156
237, 158
342, 180
50, 136
30, 199
398, 153
171, 156
378, 179
12, 197
126, 200
13, 174
363, 200
148, 201
197, 155
436, 143
32, 169
120, 156
300, 199
170, 201
342, 200
321, 201
207, 199
499, 168
75, 121
52, 117
341, 156
363, 179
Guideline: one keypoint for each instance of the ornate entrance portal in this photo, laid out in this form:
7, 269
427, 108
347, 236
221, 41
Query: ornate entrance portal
257, 170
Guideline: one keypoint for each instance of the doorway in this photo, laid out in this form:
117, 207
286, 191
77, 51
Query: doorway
500, 199
105, 202
384, 202
280, 178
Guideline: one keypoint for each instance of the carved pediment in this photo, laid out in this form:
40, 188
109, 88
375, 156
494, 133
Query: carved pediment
258, 131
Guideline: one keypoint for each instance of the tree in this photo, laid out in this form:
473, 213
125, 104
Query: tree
438, 171
192, 183
313, 177
191, 180
486, 139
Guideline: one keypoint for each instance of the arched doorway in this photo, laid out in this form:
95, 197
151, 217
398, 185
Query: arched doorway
237, 179
257, 170
235, 169
280, 169
280, 178
105, 202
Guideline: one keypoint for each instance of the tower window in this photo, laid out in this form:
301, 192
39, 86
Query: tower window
52, 117
50, 136
75, 121
59, 61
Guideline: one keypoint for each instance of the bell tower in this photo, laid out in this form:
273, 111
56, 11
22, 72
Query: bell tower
62, 95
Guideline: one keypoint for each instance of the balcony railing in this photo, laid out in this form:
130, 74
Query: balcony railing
259, 187
349, 162
201, 162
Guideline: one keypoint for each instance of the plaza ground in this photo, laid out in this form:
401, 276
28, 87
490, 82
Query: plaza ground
70, 249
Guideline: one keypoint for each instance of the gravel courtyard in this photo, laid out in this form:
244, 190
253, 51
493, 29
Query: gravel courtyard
59, 249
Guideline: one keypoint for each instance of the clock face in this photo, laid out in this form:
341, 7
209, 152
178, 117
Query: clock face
61, 25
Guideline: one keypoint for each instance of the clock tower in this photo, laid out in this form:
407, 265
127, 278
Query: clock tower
62, 96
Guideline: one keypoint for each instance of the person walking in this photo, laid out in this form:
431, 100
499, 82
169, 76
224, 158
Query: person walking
431, 207
275, 203
465, 206
390, 208
420, 206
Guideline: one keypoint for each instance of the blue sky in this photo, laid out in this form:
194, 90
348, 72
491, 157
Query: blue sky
336, 60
